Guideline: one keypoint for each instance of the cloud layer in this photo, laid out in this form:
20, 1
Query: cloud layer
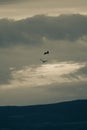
35, 29
22, 44
45, 75
44, 84
10, 1
19, 9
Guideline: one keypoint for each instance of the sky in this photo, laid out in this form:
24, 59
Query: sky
19, 9
28, 28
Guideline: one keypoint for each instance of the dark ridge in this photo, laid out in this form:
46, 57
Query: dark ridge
71, 115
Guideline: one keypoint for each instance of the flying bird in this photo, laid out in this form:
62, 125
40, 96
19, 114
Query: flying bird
46, 52
43, 61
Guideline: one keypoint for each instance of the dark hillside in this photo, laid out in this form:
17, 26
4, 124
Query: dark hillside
61, 116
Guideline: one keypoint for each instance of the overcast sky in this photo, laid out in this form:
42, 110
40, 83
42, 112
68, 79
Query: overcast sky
27, 29
19, 9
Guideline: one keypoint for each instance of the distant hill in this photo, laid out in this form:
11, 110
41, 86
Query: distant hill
70, 115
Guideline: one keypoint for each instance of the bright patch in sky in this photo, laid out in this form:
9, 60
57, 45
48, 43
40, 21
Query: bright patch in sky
46, 74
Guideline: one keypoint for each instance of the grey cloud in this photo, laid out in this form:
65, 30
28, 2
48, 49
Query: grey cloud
10, 1
63, 27
80, 74
82, 71
56, 3
4, 76
32, 30
58, 34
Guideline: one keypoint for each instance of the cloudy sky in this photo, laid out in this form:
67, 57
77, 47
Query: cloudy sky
26, 8
27, 29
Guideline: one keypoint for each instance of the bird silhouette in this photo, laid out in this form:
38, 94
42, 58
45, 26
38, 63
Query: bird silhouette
46, 52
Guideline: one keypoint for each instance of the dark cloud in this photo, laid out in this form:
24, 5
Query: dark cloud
32, 30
